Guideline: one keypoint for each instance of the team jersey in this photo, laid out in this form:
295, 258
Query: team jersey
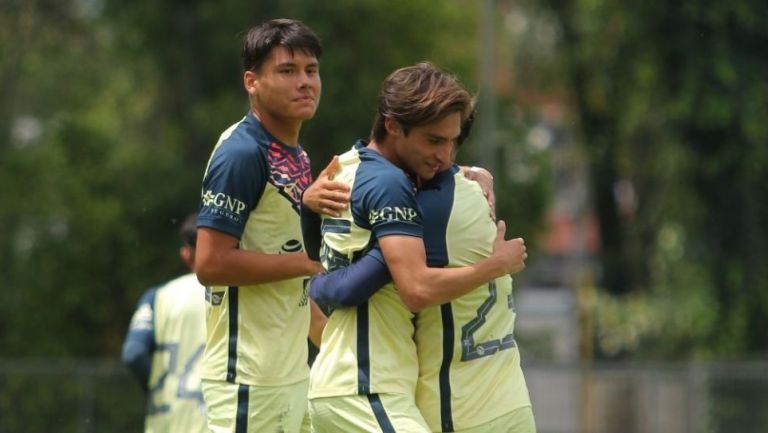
469, 364
368, 349
168, 330
257, 334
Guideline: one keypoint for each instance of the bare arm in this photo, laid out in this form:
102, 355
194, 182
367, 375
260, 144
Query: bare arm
316, 324
218, 261
420, 286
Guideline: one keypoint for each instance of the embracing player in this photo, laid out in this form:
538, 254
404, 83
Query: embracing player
366, 375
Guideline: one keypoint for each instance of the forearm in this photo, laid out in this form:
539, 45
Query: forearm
352, 285
219, 262
317, 323
422, 287
235, 267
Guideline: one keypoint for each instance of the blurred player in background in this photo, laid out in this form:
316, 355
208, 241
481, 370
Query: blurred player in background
365, 376
250, 252
164, 347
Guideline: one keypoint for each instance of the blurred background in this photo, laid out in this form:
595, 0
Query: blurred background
629, 143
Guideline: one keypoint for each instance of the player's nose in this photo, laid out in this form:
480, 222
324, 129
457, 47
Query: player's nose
443, 154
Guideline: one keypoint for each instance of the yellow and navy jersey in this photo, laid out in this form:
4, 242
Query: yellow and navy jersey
469, 364
369, 348
257, 334
163, 349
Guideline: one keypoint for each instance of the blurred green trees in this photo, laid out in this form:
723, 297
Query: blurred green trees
109, 110
671, 100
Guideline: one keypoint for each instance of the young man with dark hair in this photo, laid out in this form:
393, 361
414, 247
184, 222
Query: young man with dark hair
249, 247
165, 343
365, 376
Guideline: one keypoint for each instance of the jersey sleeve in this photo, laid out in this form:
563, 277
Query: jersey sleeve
232, 187
139, 345
388, 205
351, 285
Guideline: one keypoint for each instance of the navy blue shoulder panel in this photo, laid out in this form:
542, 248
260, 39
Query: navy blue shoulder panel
383, 198
436, 201
236, 176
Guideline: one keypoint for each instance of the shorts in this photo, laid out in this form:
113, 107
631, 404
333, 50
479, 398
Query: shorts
238, 408
386, 413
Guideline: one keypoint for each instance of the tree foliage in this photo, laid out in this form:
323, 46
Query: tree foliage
109, 113
670, 95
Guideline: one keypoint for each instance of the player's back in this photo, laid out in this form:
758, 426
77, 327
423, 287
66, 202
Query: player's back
175, 402
469, 367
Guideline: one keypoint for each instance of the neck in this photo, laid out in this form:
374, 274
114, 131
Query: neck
285, 130
386, 149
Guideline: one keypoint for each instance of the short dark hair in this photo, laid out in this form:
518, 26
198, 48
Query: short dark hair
188, 230
418, 95
292, 34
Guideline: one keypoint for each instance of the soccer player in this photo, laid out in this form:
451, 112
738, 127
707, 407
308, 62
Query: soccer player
249, 247
364, 378
164, 346
470, 378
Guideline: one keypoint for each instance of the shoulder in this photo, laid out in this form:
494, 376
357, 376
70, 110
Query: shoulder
242, 140
468, 189
376, 170
245, 140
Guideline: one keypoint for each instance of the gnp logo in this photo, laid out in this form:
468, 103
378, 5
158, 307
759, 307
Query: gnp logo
223, 202
392, 213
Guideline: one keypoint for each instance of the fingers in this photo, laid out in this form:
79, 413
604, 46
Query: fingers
513, 250
326, 196
332, 207
491, 197
325, 178
330, 170
524, 249
501, 229
339, 196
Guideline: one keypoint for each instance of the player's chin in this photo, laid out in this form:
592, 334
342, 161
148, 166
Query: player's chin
427, 174
305, 113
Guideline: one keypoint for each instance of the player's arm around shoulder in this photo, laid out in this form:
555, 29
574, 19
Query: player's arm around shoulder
219, 262
420, 286
326, 196
484, 179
